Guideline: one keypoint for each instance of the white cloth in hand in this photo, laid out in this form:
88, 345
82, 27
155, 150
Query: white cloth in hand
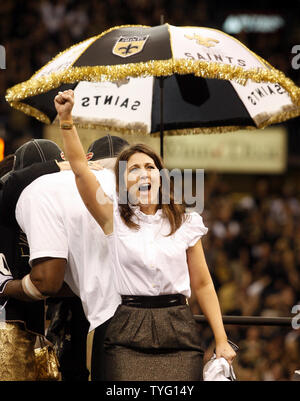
218, 370
5, 273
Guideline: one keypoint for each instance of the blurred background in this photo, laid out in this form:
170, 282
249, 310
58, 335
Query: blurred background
252, 185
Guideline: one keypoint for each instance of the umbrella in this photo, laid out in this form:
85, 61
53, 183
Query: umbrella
162, 79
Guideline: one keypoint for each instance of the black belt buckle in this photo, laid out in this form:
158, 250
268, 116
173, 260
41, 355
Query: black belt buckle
160, 301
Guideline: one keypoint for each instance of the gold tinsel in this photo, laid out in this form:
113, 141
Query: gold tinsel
158, 68
31, 111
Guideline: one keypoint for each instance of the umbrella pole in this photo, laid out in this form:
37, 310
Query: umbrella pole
161, 85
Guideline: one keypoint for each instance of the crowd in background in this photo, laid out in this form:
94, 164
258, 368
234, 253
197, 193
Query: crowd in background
253, 243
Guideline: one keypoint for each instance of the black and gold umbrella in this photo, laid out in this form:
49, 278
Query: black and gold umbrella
161, 79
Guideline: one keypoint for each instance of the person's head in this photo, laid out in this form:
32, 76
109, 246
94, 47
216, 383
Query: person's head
106, 150
140, 172
138, 169
36, 151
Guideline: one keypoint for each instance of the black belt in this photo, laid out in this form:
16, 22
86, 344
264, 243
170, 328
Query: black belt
159, 301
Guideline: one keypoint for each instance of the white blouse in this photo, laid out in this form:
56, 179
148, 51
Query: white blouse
146, 261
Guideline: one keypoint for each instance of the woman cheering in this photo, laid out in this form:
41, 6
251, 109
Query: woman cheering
157, 257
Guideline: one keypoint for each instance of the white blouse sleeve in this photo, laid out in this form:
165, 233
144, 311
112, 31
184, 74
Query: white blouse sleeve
193, 229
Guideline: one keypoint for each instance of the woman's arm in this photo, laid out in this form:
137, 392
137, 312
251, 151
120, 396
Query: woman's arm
96, 201
203, 287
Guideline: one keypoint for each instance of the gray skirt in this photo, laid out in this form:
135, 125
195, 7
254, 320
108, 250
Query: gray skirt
159, 344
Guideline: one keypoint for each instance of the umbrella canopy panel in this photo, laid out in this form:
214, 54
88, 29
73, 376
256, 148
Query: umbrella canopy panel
193, 102
44, 102
128, 44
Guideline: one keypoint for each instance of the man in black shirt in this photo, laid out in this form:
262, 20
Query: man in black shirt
23, 319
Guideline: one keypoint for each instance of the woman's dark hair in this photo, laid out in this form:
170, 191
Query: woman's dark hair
172, 211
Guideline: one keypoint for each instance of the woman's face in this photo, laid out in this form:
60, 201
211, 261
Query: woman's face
142, 180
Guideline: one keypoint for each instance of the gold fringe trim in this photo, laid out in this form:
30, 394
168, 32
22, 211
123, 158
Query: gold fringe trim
109, 124
158, 68
280, 117
136, 130
204, 130
262, 118
31, 111
139, 128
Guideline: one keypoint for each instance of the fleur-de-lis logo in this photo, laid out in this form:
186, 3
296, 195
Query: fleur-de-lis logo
200, 40
128, 46
128, 50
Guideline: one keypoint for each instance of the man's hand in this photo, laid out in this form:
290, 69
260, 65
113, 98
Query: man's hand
5, 273
64, 103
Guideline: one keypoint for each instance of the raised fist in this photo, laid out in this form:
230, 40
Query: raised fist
64, 103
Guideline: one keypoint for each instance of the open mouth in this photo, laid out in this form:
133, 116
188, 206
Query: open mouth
144, 187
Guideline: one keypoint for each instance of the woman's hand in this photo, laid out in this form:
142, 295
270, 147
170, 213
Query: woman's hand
64, 103
225, 350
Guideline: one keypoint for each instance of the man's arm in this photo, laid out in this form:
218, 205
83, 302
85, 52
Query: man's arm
47, 275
